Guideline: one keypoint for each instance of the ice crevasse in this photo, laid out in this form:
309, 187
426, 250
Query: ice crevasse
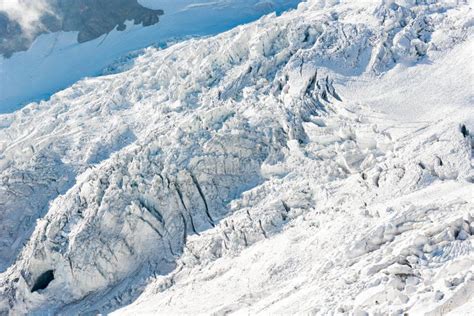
312, 162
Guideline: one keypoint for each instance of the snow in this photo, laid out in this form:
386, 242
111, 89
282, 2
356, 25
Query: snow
308, 163
28, 76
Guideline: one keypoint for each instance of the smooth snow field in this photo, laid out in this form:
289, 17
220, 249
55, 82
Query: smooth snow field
317, 162
57, 60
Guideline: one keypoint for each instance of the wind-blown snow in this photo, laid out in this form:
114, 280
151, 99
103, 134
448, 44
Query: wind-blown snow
27, 13
317, 162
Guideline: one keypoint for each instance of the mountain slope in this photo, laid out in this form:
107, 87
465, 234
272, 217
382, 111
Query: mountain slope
287, 165
391, 237
91, 19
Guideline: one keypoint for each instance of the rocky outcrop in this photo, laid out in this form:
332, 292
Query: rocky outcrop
91, 18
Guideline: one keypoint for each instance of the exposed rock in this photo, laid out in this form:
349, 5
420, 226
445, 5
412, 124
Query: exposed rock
91, 18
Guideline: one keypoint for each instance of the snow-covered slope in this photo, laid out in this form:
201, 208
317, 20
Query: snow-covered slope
56, 60
393, 235
316, 162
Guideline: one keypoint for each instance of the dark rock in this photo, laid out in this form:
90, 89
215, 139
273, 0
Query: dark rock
91, 18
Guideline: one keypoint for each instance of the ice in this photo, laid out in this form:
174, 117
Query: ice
308, 163
56, 60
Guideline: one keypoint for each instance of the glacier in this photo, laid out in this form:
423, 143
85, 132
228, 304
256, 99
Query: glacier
57, 60
314, 162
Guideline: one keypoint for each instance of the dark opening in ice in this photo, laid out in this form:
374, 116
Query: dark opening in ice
43, 281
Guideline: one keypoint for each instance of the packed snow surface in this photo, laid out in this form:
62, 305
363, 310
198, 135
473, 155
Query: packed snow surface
317, 162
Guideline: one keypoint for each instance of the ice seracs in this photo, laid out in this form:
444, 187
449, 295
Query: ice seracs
285, 166
81, 38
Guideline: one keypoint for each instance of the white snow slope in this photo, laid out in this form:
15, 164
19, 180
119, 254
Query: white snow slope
319, 162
